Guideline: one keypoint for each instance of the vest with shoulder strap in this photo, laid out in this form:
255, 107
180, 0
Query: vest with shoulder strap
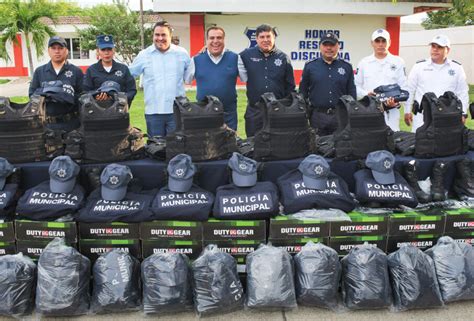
105, 129
361, 128
22, 130
442, 133
286, 132
200, 130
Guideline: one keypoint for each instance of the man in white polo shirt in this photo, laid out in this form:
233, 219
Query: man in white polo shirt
381, 68
436, 74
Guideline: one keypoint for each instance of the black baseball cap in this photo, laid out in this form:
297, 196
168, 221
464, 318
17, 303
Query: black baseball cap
329, 37
57, 40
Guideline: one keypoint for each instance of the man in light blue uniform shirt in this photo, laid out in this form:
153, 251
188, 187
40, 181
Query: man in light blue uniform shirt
163, 66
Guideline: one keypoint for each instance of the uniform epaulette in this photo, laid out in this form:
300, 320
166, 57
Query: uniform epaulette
456, 62
422, 60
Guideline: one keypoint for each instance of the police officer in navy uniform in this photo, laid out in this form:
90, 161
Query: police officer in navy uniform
108, 69
323, 81
266, 69
58, 68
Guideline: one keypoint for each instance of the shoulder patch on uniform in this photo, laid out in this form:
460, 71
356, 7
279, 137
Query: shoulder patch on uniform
422, 60
456, 62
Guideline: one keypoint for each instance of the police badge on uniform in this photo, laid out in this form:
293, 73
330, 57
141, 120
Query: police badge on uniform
278, 62
451, 72
68, 74
341, 71
393, 67
119, 73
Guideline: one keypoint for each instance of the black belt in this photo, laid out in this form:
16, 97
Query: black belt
328, 111
61, 118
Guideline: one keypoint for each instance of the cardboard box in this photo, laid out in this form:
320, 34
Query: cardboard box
343, 244
237, 248
171, 230
407, 223
459, 221
286, 227
7, 232
421, 241
34, 248
221, 230
94, 248
41, 230
465, 238
114, 231
192, 248
361, 224
7, 248
294, 246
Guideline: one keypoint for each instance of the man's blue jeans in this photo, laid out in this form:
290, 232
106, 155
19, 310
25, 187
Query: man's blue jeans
159, 124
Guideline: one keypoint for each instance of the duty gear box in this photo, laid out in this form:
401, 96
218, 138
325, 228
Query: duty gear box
171, 230
361, 224
114, 230
7, 248
192, 248
41, 230
294, 246
239, 249
226, 230
343, 244
459, 221
34, 248
421, 241
408, 223
7, 232
94, 248
465, 238
286, 227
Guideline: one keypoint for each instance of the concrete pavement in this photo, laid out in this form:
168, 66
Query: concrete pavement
16, 87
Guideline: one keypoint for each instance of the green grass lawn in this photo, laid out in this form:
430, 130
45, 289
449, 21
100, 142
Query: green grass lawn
4, 81
137, 112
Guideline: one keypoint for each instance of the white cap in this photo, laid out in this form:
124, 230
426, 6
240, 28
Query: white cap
381, 33
441, 40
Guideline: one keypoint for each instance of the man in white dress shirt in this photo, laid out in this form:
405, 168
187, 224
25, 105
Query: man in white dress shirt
381, 68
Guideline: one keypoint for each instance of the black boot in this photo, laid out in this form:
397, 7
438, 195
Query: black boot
464, 181
411, 175
438, 192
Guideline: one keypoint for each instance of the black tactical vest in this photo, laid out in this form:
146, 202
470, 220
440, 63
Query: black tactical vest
295, 196
200, 130
241, 203
39, 203
135, 207
442, 133
193, 205
389, 195
286, 133
22, 130
361, 128
105, 129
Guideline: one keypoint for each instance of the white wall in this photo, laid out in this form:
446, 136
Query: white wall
414, 46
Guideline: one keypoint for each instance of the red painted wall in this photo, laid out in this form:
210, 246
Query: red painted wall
392, 24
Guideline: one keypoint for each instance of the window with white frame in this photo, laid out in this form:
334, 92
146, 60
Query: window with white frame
75, 51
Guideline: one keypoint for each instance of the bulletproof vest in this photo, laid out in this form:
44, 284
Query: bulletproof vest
240, 203
200, 130
286, 132
442, 132
22, 130
39, 203
105, 129
193, 205
404, 143
389, 195
134, 207
7, 200
361, 128
295, 196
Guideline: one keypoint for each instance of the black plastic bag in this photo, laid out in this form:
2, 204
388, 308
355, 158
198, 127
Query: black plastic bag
365, 281
63, 281
454, 263
166, 283
318, 272
116, 282
413, 279
17, 285
217, 287
270, 280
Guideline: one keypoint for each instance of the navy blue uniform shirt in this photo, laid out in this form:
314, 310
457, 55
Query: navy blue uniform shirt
273, 73
324, 83
96, 75
69, 74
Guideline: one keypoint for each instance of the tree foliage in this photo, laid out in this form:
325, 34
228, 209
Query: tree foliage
460, 14
116, 20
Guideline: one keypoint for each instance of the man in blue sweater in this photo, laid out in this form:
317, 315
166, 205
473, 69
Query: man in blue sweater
216, 71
